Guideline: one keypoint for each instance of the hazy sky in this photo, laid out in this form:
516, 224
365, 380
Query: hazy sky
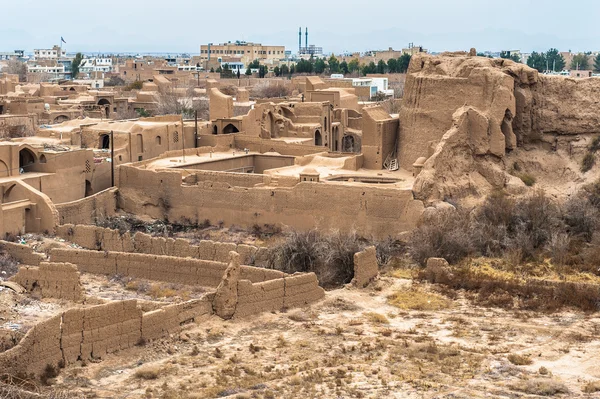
351, 25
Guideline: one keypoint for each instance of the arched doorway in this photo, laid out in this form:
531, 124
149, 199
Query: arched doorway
348, 144
26, 159
43, 159
105, 104
104, 141
318, 138
230, 128
61, 119
215, 129
88, 188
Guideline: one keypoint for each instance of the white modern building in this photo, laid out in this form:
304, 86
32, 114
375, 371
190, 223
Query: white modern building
52, 54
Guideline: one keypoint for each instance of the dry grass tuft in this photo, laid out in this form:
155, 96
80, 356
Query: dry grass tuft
519, 360
591, 387
147, 373
376, 318
540, 386
416, 299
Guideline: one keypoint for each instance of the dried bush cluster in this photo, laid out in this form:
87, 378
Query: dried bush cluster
532, 228
329, 255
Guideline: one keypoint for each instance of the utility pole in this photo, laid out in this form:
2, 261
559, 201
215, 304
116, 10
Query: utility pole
196, 129
182, 139
112, 159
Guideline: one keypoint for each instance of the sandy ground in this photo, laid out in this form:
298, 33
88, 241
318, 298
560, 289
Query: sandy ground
354, 344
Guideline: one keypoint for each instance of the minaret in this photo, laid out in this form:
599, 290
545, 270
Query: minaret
306, 38
299, 40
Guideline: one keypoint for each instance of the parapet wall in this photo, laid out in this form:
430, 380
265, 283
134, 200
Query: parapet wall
22, 253
88, 210
99, 238
51, 280
168, 269
369, 210
265, 145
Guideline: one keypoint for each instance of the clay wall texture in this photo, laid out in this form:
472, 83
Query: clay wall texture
51, 280
376, 211
88, 210
22, 253
92, 332
99, 238
168, 269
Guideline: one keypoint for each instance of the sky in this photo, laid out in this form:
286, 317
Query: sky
178, 26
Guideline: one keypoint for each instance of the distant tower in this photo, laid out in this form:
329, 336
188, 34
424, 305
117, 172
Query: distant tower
299, 40
306, 38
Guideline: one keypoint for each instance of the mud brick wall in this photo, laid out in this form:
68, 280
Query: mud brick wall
168, 269
22, 253
169, 319
53, 280
92, 332
39, 347
88, 210
276, 295
99, 238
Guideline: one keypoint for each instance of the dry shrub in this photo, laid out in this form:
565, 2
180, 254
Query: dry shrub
540, 386
8, 265
519, 360
50, 372
528, 179
329, 256
147, 373
443, 234
229, 90
376, 318
591, 387
269, 90
416, 299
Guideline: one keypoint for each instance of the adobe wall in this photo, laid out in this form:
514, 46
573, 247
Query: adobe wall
51, 280
88, 210
274, 295
99, 238
265, 145
168, 269
92, 332
22, 253
370, 211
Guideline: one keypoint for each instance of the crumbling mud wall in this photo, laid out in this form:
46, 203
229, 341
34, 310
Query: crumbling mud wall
366, 267
22, 253
51, 280
92, 332
88, 210
103, 239
157, 267
372, 211
464, 113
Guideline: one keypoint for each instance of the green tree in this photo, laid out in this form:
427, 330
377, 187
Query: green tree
353, 65
597, 63
370, 68
381, 67
212, 70
254, 64
556, 61
580, 62
262, 71
537, 61
248, 70
392, 65
344, 67
277, 71
76, 64
334, 64
404, 62
320, 66
292, 69
507, 56
284, 70
238, 73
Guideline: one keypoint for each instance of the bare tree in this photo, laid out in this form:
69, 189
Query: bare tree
269, 90
16, 67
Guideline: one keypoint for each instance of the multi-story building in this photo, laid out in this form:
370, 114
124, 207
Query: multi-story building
53, 53
89, 65
244, 52
17, 54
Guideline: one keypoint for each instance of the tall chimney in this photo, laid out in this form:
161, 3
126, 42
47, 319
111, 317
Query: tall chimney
307, 38
299, 40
